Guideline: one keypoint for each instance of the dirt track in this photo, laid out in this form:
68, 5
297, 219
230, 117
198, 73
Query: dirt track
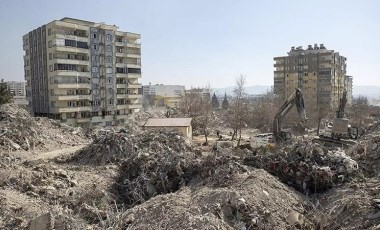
58, 152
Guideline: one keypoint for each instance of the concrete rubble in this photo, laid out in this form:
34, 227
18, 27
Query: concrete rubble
20, 131
128, 178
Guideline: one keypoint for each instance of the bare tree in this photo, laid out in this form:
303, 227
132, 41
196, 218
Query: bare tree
198, 106
206, 115
237, 115
191, 101
265, 108
359, 111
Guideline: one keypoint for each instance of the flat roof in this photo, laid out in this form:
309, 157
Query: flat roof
168, 122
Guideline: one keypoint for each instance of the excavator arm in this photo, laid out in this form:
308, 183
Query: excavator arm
296, 99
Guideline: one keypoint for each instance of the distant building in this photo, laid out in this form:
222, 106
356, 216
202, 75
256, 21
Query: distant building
82, 72
319, 72
163, 95
205, 92
16, 88
183, 125
349, 85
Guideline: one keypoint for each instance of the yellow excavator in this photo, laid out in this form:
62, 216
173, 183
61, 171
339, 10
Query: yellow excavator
296, 99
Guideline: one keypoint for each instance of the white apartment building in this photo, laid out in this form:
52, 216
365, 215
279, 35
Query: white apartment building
82, 72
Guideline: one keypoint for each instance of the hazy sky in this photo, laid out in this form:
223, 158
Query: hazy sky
196, 42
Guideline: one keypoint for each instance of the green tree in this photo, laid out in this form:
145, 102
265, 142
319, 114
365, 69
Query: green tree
215, 102
225, 103
5, 96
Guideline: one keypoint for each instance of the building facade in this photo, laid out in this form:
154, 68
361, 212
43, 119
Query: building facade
16, 88
319, 72
163, 95
82, 72
349, 83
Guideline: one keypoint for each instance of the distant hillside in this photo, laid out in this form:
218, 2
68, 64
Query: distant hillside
366, 90
255, 89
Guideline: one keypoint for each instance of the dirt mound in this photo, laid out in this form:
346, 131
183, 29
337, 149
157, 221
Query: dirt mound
255, 200
18, 130
117, 147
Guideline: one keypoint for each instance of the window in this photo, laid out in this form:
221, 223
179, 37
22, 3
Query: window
51, 68
134, 70
52, 92
109, 70
93, 58
94, 47
50, 56
49, 44
110, 102
110, 81
108, 59
109, 48
94, 69
306, 74
82, 45
108, 37
49, 32
72, 43
94, 35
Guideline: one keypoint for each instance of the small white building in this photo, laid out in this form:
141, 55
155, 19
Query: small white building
183, 125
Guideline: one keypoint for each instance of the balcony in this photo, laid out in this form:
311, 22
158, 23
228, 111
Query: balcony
71, 73
120, 43
133, 65
71, 109
73, 85
134, 45
134, 96
71, 97
121, 54
120, 75
118, 64
76, 37
70, 49
134, 86
135, 106
121, 86
129, 106
134, 75
72, 61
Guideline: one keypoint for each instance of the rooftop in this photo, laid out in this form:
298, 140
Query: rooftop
168, 122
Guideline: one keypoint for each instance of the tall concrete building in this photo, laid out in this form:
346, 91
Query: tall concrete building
80, 72
318, 71
16, 88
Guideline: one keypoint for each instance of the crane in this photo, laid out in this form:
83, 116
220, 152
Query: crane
296, 99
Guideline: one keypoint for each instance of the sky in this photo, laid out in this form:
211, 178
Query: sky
211, 42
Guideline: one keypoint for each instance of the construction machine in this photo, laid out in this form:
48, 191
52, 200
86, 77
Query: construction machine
339, 132
296, 99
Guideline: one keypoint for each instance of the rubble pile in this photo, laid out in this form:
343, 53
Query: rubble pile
20, 131
367, 154
109, 148
159, 164
308, 167
255, 200
355, 205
